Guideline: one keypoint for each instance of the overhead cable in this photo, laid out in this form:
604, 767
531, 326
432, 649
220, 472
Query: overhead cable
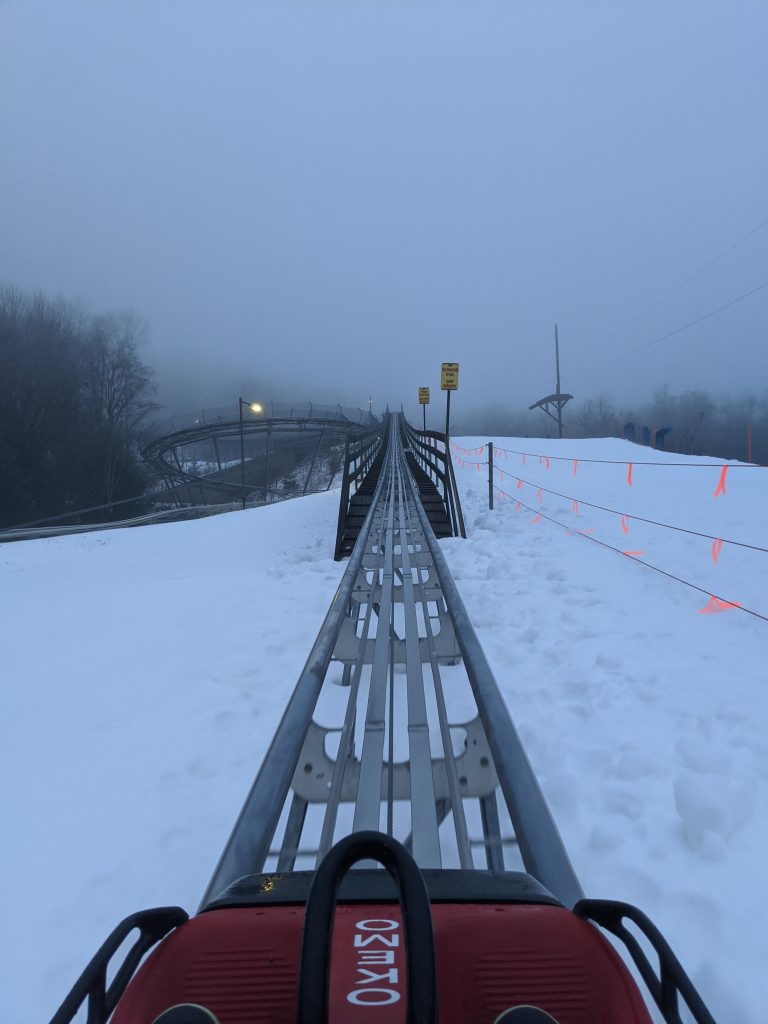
685, 327
687, 280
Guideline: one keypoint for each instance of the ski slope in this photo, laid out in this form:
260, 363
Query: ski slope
145, 670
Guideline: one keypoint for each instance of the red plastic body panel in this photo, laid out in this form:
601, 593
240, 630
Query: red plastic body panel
243, 965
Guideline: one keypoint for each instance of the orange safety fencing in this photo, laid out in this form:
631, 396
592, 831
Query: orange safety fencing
545, 461
715, 602
625, 518
505, 452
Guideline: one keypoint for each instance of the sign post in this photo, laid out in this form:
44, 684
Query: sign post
424, 402
449, 381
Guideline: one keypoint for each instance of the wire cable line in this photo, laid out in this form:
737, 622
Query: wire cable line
725, 601
625, 462
682, 284
639, 519
685, 327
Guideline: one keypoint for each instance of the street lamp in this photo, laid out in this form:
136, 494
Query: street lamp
254, 407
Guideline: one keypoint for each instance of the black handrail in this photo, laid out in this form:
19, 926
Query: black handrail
671, 981
359, 456
432, 451
318, 926
152, 925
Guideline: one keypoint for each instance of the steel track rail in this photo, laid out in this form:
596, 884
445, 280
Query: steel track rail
391, 749
248, 845
541, 846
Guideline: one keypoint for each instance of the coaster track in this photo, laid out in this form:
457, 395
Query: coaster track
416, 741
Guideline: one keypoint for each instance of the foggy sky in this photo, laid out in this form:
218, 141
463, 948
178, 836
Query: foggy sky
326, 199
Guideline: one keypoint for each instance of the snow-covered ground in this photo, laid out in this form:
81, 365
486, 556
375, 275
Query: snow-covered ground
145, 670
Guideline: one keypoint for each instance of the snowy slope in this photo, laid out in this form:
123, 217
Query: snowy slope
144, 672
646, 721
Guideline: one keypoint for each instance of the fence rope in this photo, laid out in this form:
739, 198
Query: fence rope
724, 601
630, 515
624, 462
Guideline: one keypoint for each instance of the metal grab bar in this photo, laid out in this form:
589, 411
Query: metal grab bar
318, 925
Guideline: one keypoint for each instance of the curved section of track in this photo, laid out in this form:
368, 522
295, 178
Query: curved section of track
227, 459
396, 724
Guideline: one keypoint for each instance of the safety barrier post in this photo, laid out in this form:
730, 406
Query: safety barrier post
490, 474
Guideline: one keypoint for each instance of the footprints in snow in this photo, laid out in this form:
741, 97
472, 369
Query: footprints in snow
715, 794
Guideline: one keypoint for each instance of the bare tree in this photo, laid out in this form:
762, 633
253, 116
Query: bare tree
117, 392
596, 417
39, 404
73, 394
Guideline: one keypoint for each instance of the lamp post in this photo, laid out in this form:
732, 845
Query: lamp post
254, 407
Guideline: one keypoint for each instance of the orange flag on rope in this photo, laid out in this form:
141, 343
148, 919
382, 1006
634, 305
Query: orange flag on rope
536, 520
716, 548
539, 496
518, 506
629, 474
716, 605
633, 554
625, 524
519, 484
523, 458
575, 507
720, 489
575, 466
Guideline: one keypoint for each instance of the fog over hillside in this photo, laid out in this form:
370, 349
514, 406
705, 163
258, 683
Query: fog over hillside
328, 200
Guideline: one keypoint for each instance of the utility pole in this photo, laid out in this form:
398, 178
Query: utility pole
266, 465
558, 400
557, 392
240, 404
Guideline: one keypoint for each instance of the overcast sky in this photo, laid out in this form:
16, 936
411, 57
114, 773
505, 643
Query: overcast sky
329, 198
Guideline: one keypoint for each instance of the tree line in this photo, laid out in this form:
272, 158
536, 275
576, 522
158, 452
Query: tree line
698, 423
73, 397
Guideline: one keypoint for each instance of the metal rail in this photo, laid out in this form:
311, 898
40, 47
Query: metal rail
359, 457
397, 725
432, 452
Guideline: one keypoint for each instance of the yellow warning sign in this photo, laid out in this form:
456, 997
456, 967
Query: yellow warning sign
423, 396
449, 377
